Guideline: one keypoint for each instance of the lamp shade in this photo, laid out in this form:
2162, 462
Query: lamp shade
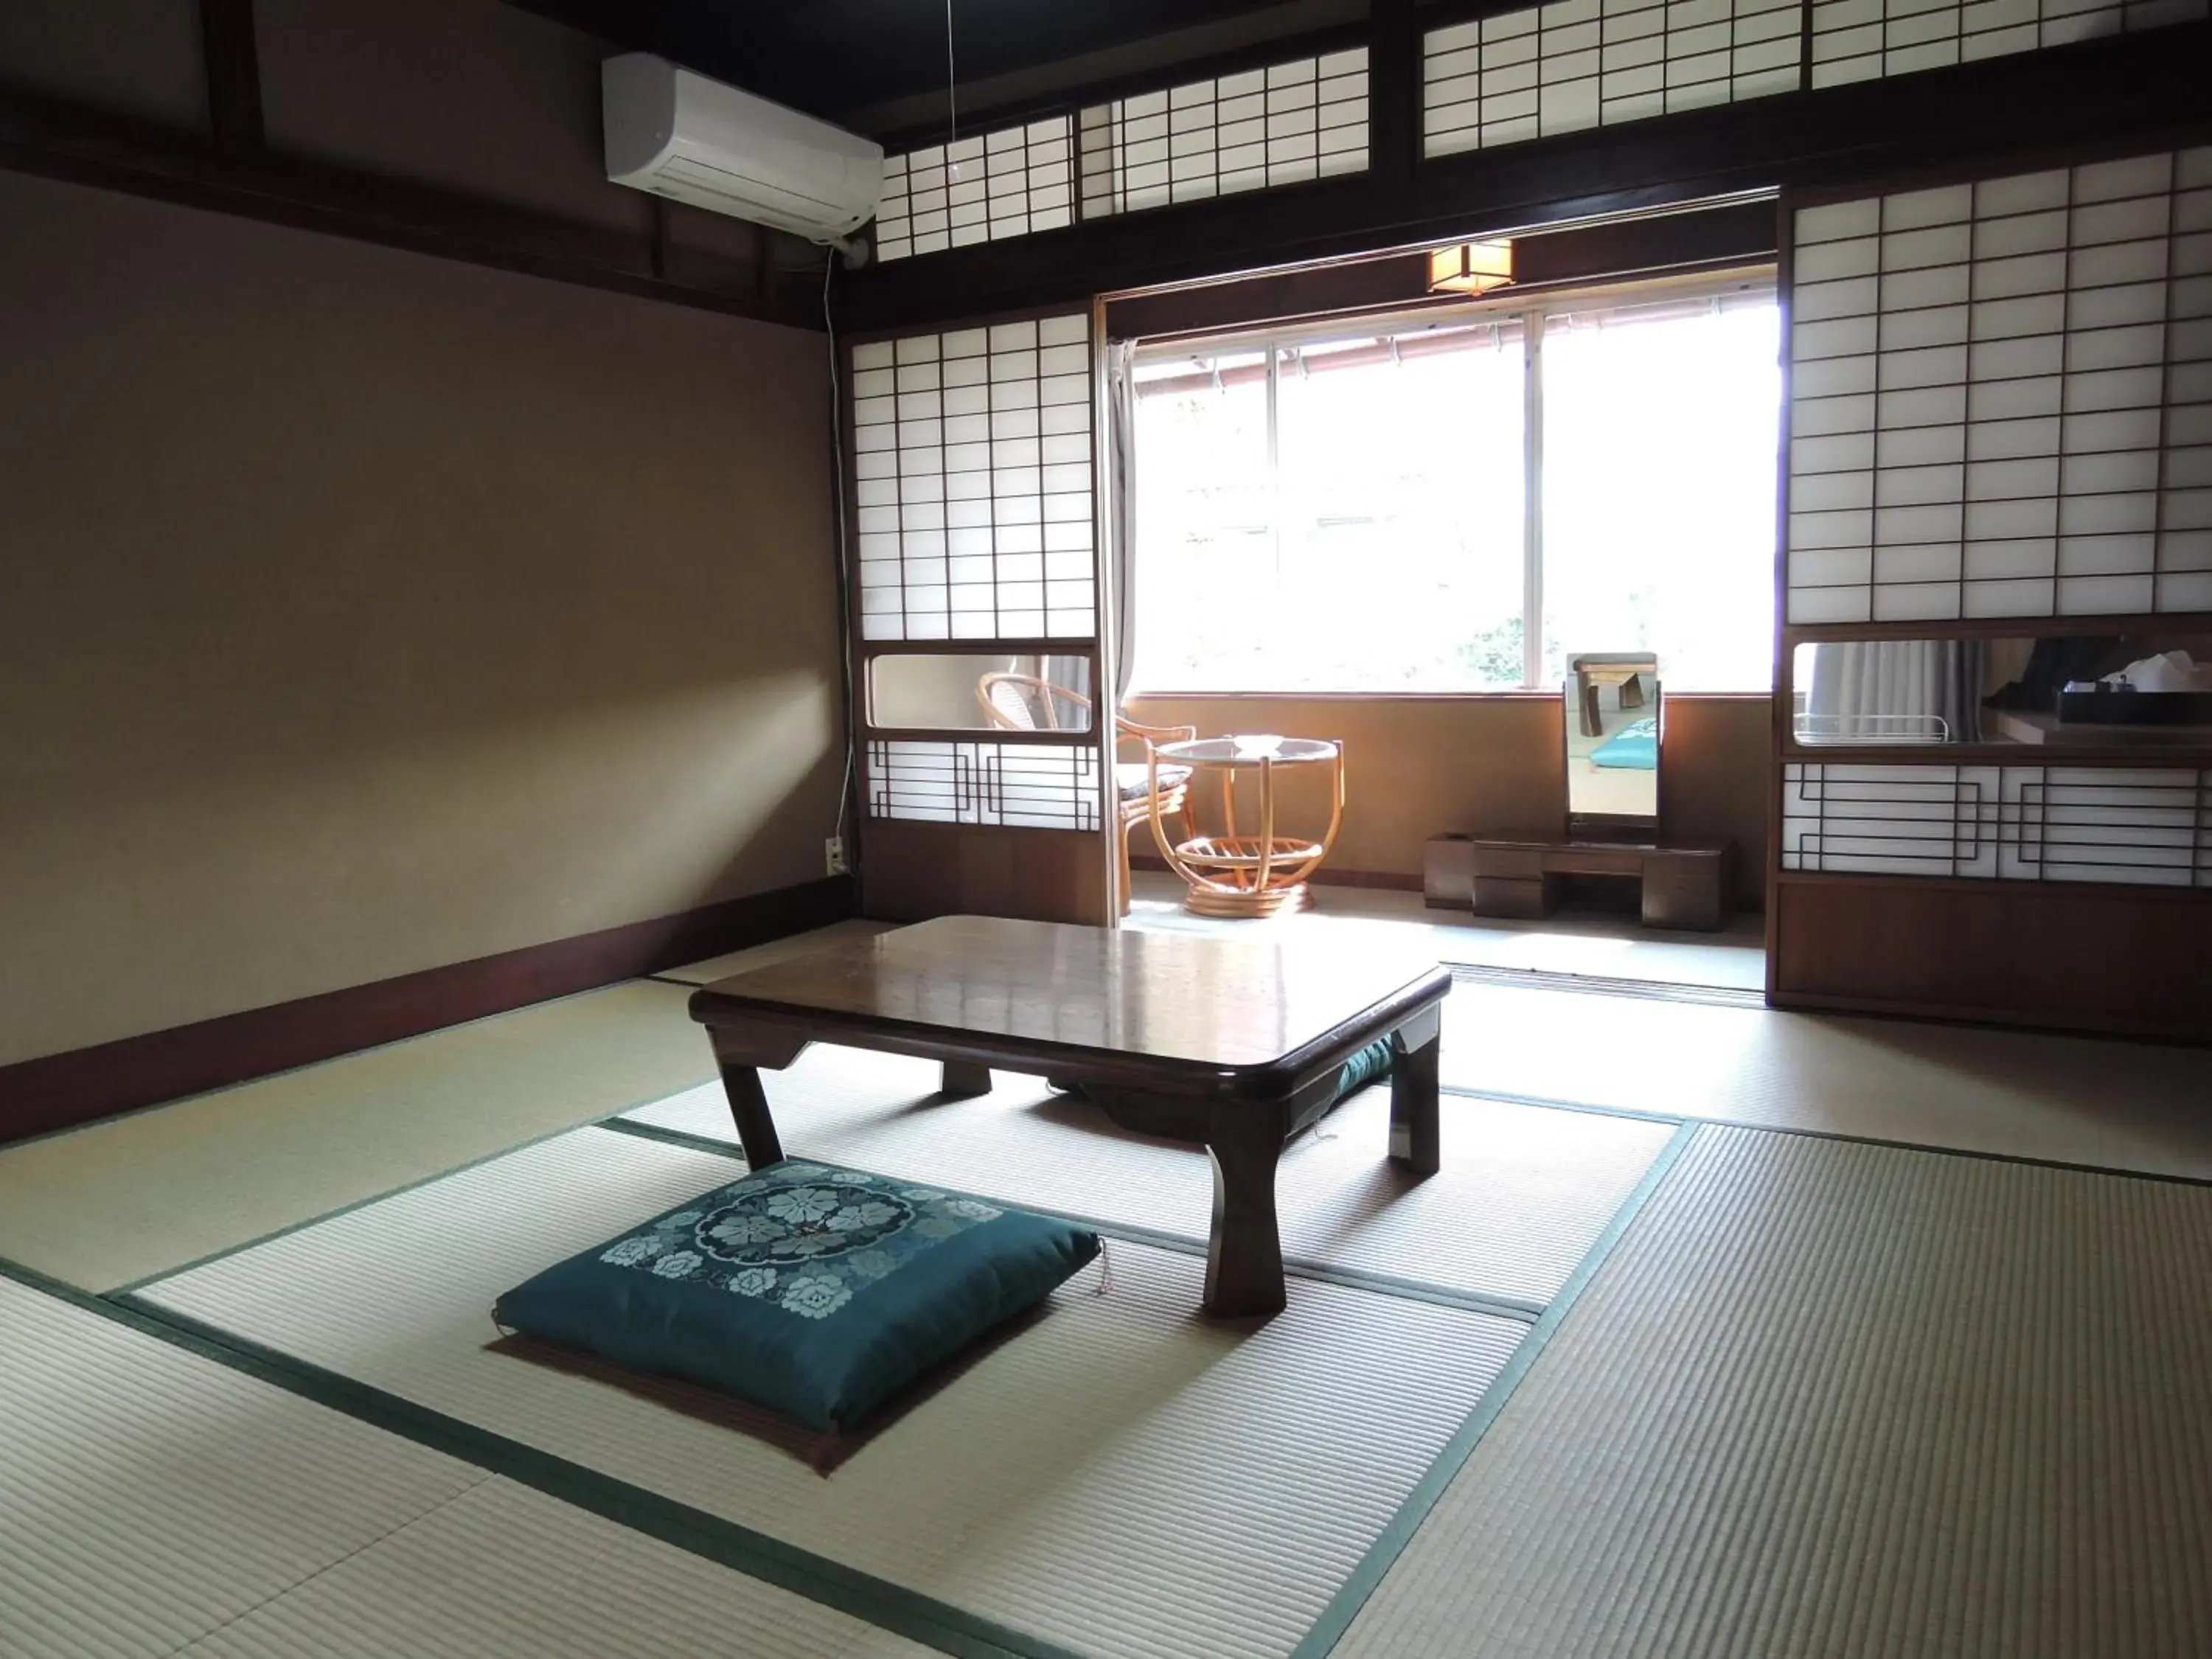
1470, 267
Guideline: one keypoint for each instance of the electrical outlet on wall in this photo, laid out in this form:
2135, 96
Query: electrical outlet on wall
833, 856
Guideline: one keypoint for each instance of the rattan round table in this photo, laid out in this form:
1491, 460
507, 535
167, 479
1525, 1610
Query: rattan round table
1234, 874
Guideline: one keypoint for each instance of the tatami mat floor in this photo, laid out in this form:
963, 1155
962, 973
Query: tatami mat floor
1847, 1399
1121, 1480
1814, 1396
1596, 945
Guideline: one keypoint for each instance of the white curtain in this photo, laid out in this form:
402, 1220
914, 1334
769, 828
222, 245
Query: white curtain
1121, 498
1895, 691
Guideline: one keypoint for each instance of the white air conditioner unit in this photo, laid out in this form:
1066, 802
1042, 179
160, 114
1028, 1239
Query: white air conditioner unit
682, 136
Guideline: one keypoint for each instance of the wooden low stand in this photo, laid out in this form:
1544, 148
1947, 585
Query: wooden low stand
1687, 884
1235, 1046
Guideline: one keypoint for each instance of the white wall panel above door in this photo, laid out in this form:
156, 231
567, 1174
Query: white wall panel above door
2001, 396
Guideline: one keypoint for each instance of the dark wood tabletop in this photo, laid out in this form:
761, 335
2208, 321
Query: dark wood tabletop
1237, 1044
1218, 1005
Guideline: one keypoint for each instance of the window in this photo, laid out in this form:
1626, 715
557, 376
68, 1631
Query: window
1336, 512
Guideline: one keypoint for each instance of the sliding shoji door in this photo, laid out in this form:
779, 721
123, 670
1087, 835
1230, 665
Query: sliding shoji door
975, 588
2000, 443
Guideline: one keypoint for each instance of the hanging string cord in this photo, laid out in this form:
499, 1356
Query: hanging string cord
951, 84
837, 451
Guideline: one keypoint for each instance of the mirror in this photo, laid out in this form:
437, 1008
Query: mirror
1612, 739
2064, 691
979, 691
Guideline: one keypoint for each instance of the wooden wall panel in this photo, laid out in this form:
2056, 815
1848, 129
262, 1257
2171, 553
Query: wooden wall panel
2056, 958
1716, 780
911, 871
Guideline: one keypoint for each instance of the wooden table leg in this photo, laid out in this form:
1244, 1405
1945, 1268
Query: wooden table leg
749, 1108
1416, 1137
741, 1051
963, 1081
1244, 1252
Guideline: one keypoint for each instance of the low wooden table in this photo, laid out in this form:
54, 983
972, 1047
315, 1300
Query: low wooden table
1235, 1044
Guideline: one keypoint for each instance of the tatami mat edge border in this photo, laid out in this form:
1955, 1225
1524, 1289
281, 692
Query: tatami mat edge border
830, 1584
1353, 1594
1516, 1308
1469, 1092
362, 1203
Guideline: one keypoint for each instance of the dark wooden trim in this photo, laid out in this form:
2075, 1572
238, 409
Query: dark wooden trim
1994, 1019
1395, 282
1999, 627
233, 71
2191, 758
59, 140
1725, 235
1722, 237
57, 1090
2116, 959
1778, 716
2119, 891
1393, 90
1065, 737
1518, 694
2141, 89
1067, 646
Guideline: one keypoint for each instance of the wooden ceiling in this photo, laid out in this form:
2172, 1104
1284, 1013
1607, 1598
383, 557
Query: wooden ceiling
839, 58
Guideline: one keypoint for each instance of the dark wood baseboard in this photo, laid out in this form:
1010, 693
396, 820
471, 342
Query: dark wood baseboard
2103, 959
55, 1091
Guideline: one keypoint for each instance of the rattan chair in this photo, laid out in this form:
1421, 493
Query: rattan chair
1024, 702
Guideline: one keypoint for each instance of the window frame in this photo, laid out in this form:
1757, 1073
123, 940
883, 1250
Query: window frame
1532, 310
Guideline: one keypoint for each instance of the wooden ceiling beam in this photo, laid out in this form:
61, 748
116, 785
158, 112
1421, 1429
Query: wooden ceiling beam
233, 60
59, 140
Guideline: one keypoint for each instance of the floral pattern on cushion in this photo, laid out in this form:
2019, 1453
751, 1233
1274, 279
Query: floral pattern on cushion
801, 1236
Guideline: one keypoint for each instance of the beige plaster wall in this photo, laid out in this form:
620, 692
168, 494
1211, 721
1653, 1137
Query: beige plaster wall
361, 612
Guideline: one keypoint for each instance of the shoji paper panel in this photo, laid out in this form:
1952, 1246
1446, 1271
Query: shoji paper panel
2001, 397
1578, 64
973, 484
1278, 125
1029, 785
1860, 40
1010, 182
2002, 823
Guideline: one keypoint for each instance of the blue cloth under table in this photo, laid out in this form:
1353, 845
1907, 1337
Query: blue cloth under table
1635, 747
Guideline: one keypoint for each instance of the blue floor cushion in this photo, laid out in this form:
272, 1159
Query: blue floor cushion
812, 1291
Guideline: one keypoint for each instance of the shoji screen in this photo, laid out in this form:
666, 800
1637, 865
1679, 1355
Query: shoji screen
2001, 396
1577, 64
1009, 183
972, 476
1539, 70
973, 553
1860, 40
1280, 125
1999, 428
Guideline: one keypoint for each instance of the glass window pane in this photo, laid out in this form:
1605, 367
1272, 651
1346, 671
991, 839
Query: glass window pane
1205, 553
1659, 431
1401, 472
1383, 552
979, 692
